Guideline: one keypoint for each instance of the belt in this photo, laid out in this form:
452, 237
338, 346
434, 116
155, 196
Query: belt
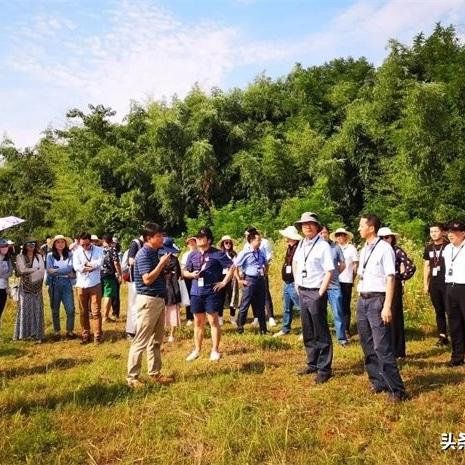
371, 295
455, 284
301, 288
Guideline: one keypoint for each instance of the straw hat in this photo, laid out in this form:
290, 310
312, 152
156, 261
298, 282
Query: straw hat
96, 239
225, 238
291, 233
333, 235
384, 231
68, 240
191, 238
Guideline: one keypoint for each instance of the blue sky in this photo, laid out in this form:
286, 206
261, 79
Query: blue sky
60, 54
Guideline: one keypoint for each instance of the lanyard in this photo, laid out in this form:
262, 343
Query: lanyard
452, 253
204, 258
365, 263
310, 251
91, 253
256, 256
438, 256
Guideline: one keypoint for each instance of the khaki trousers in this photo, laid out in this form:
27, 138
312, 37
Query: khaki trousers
90, 302
149, 335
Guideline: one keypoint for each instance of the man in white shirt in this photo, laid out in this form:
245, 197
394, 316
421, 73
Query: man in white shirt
346, 277
454, 258
87, 261
376, 288
312, 267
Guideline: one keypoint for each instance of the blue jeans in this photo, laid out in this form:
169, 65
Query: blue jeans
375, 340
61, 290
291, 300
335, 300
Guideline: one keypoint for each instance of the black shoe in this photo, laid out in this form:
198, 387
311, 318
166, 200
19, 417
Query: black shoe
263, 332
306, 371
397, 397
320, 379
240, 330
376, 389
455, 363
442, 341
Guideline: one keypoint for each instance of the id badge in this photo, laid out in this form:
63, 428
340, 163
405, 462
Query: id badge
200, 282
288, 269
304, 273
435, 271
431, 254
260, 271
225, 270
450, 272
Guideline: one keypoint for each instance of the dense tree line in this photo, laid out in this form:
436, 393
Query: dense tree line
339, 139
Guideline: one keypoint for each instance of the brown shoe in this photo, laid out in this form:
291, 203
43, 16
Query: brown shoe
135, 383
161, 379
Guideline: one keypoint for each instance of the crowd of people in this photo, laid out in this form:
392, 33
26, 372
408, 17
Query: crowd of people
319, 268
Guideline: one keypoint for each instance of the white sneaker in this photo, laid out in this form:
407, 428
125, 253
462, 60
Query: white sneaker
214, 356
233, 321
170, 339
189, 323
271, 322
255, 323
192, 356
301, 337
220, 320
279, 334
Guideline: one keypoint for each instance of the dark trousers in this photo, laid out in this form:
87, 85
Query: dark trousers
396, 327
253, 294
268, 301
438, 299
346, 290
375, 340
228, 297
2, 300
116, 302
456, 314
189, 315
315, 330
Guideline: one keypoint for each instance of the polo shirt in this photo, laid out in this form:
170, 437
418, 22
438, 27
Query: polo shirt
95, 257
350, 257
251, 263
312, 260
454, 258
377, 262
210, 264
147, 260
264, 245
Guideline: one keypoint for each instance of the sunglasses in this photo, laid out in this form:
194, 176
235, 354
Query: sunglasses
227, 242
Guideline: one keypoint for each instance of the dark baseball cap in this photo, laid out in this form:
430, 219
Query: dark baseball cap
455, 225
205, 232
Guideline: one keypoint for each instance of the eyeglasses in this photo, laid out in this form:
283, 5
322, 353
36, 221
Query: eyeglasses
29, 244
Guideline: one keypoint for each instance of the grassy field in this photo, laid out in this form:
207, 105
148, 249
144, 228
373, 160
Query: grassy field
61, 403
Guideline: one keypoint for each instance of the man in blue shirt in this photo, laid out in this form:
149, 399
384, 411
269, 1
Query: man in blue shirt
150, 308
254, 266
205, 267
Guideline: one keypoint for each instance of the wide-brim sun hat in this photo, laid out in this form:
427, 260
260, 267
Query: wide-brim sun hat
225, 238
333, 235
51, 241
95, 238
307, 217
290, 232
385, 231
191, 238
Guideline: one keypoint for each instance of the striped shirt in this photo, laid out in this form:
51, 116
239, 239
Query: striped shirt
146, 260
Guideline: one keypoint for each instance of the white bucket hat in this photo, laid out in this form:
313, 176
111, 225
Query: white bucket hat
384, 231
333, 235
291, 233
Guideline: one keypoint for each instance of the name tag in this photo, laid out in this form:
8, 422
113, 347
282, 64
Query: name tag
436, 270
225, 270
431, 254
261, 272
288, 269
200, 282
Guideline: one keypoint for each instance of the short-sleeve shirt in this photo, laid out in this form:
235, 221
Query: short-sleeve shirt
350, 257
110, 256
434, 254
147, 260
338, 258
211, 264
454, 258
377, 262
312, 260
252, 262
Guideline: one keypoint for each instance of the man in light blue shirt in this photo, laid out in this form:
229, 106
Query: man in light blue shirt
87, 261
313, 267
